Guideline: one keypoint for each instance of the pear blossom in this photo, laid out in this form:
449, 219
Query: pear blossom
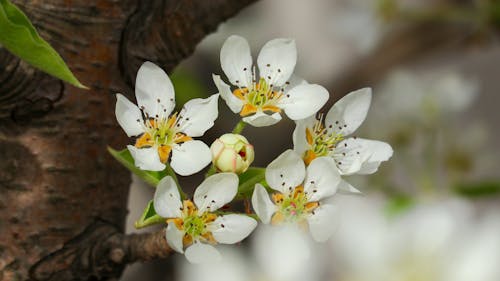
260, 101
161, 133
193, 226
313, 138
232, 153
300, 194
448, 239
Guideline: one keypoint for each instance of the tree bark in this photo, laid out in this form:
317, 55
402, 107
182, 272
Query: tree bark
56, 178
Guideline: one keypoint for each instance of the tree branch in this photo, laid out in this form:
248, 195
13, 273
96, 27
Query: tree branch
101, 251
54, 138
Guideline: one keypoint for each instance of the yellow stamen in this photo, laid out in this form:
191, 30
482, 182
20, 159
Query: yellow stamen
240, 93
309, 157
189, 208
171, 121
180, 137
247, 110
277, 198
187, 240
177, 221
277, 218
311, 206
164, 152
272, 108
309, 137
209, 217
299, 190
208, 236
144, 140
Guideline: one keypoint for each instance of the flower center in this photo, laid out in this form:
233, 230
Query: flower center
293, 207
194, 224
260, 96
163, 133
321, 142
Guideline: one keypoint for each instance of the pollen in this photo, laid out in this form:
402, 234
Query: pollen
259, 97
292, 207
321, 141
194, 224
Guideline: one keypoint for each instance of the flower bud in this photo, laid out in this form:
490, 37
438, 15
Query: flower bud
232, 153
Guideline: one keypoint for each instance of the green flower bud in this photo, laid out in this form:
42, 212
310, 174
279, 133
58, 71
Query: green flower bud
232, 153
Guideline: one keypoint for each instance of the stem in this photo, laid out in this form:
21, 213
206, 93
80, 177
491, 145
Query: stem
171, 173
211, 171
239, 127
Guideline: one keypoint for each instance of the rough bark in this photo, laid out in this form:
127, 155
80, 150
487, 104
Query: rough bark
56, 177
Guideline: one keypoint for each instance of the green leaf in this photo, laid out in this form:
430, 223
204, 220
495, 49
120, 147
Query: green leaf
479, 189
124, 157
248, 180
20, 37
398, 205
149, 217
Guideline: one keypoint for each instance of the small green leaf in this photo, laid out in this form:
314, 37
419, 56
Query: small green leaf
149, 217
126, 160
479, 189
20, 37
248, 180
398, 205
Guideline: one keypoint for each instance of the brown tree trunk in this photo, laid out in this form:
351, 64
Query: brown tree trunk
56, 178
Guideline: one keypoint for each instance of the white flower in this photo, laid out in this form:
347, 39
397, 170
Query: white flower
312, 138
161, 131
193, 227
445, 240
300, 194
260, 101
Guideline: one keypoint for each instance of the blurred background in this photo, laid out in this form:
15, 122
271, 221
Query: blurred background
430, 213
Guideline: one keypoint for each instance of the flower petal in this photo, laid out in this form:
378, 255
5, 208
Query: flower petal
380, 151
322, 179
236, 61
154, 90
199, 253
167, 200
233, 228
323, 222
300, 144
303, 101
285, 172
146, 158
174, 237
260, 119
277, 60
345, 187
347, 114
128, 116
198, 115
262, 205
190, 157
360, 156
234, 103
216, 191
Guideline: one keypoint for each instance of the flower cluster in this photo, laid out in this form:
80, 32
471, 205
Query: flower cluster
301, 180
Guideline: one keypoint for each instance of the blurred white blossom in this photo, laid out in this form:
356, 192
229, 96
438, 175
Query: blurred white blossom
435, 241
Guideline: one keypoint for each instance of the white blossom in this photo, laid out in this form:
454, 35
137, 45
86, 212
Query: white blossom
193, 226
300, 194
314, 138
260, 101
162, 133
